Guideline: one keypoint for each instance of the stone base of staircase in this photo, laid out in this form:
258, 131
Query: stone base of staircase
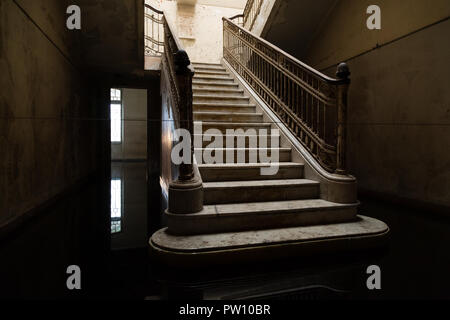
262, 245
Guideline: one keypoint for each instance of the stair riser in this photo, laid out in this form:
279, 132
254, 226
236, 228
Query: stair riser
273, 220
269, 193
231, 117
234, 174
222, 127
219, 73
250, 156
214, 85
214, 80
222, 92
222, 108
207, 65
209, 68
236, 141
222, 99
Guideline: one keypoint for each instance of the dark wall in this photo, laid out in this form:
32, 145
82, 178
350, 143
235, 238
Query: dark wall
49, 136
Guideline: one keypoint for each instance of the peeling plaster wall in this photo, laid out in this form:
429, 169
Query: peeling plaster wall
199, 27
47, 140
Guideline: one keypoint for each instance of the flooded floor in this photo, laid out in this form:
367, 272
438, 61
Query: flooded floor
104, 227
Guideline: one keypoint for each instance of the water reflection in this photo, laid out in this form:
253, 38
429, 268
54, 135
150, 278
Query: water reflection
128, 205
116, 205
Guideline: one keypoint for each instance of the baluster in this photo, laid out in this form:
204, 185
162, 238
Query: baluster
342, 73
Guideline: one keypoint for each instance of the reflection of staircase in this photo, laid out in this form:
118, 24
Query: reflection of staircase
244, 209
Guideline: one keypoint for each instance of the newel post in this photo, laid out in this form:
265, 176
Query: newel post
342, 73
184, 74
185, 193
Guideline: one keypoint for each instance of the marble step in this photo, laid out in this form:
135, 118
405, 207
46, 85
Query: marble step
249, 171
216, 72
259, 190
207, 65
218, 91
213, 79
197, 84
246, 155
224, 126
209, 68
242, 141
227, 116
260, 215
232, 248
221, 107
218, 98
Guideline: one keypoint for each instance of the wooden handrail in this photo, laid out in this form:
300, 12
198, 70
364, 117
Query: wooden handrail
177, 65
153, 8
241, 15
238, 19
312, 105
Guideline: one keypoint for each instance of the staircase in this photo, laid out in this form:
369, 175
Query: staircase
246, 214
227, 210
236, 196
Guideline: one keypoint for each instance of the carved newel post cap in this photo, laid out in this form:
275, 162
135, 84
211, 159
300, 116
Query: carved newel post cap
342, 71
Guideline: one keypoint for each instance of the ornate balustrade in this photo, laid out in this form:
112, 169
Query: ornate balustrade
153, 31
312, 105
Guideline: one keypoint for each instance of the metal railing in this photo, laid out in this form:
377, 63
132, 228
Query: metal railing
251, 11
312, 105
153, 31
238, 19
177, 66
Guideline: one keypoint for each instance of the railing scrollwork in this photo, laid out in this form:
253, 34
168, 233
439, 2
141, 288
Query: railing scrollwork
153, 31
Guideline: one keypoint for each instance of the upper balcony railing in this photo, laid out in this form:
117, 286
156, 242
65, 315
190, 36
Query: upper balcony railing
238, 19
251, 11
153, 31
312, 105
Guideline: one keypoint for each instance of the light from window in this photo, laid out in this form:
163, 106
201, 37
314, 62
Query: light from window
115, 95
116, 205
116, 122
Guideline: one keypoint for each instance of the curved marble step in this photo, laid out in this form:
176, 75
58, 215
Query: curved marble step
260, 215
254, 246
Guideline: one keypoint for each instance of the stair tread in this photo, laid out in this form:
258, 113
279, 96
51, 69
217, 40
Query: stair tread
228, 113
218, 90
220, 104
212, 77
216, 96
245, 148
253, 124
211, 71
258, 183
362, 226
212, 83
249, 165
270, 207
